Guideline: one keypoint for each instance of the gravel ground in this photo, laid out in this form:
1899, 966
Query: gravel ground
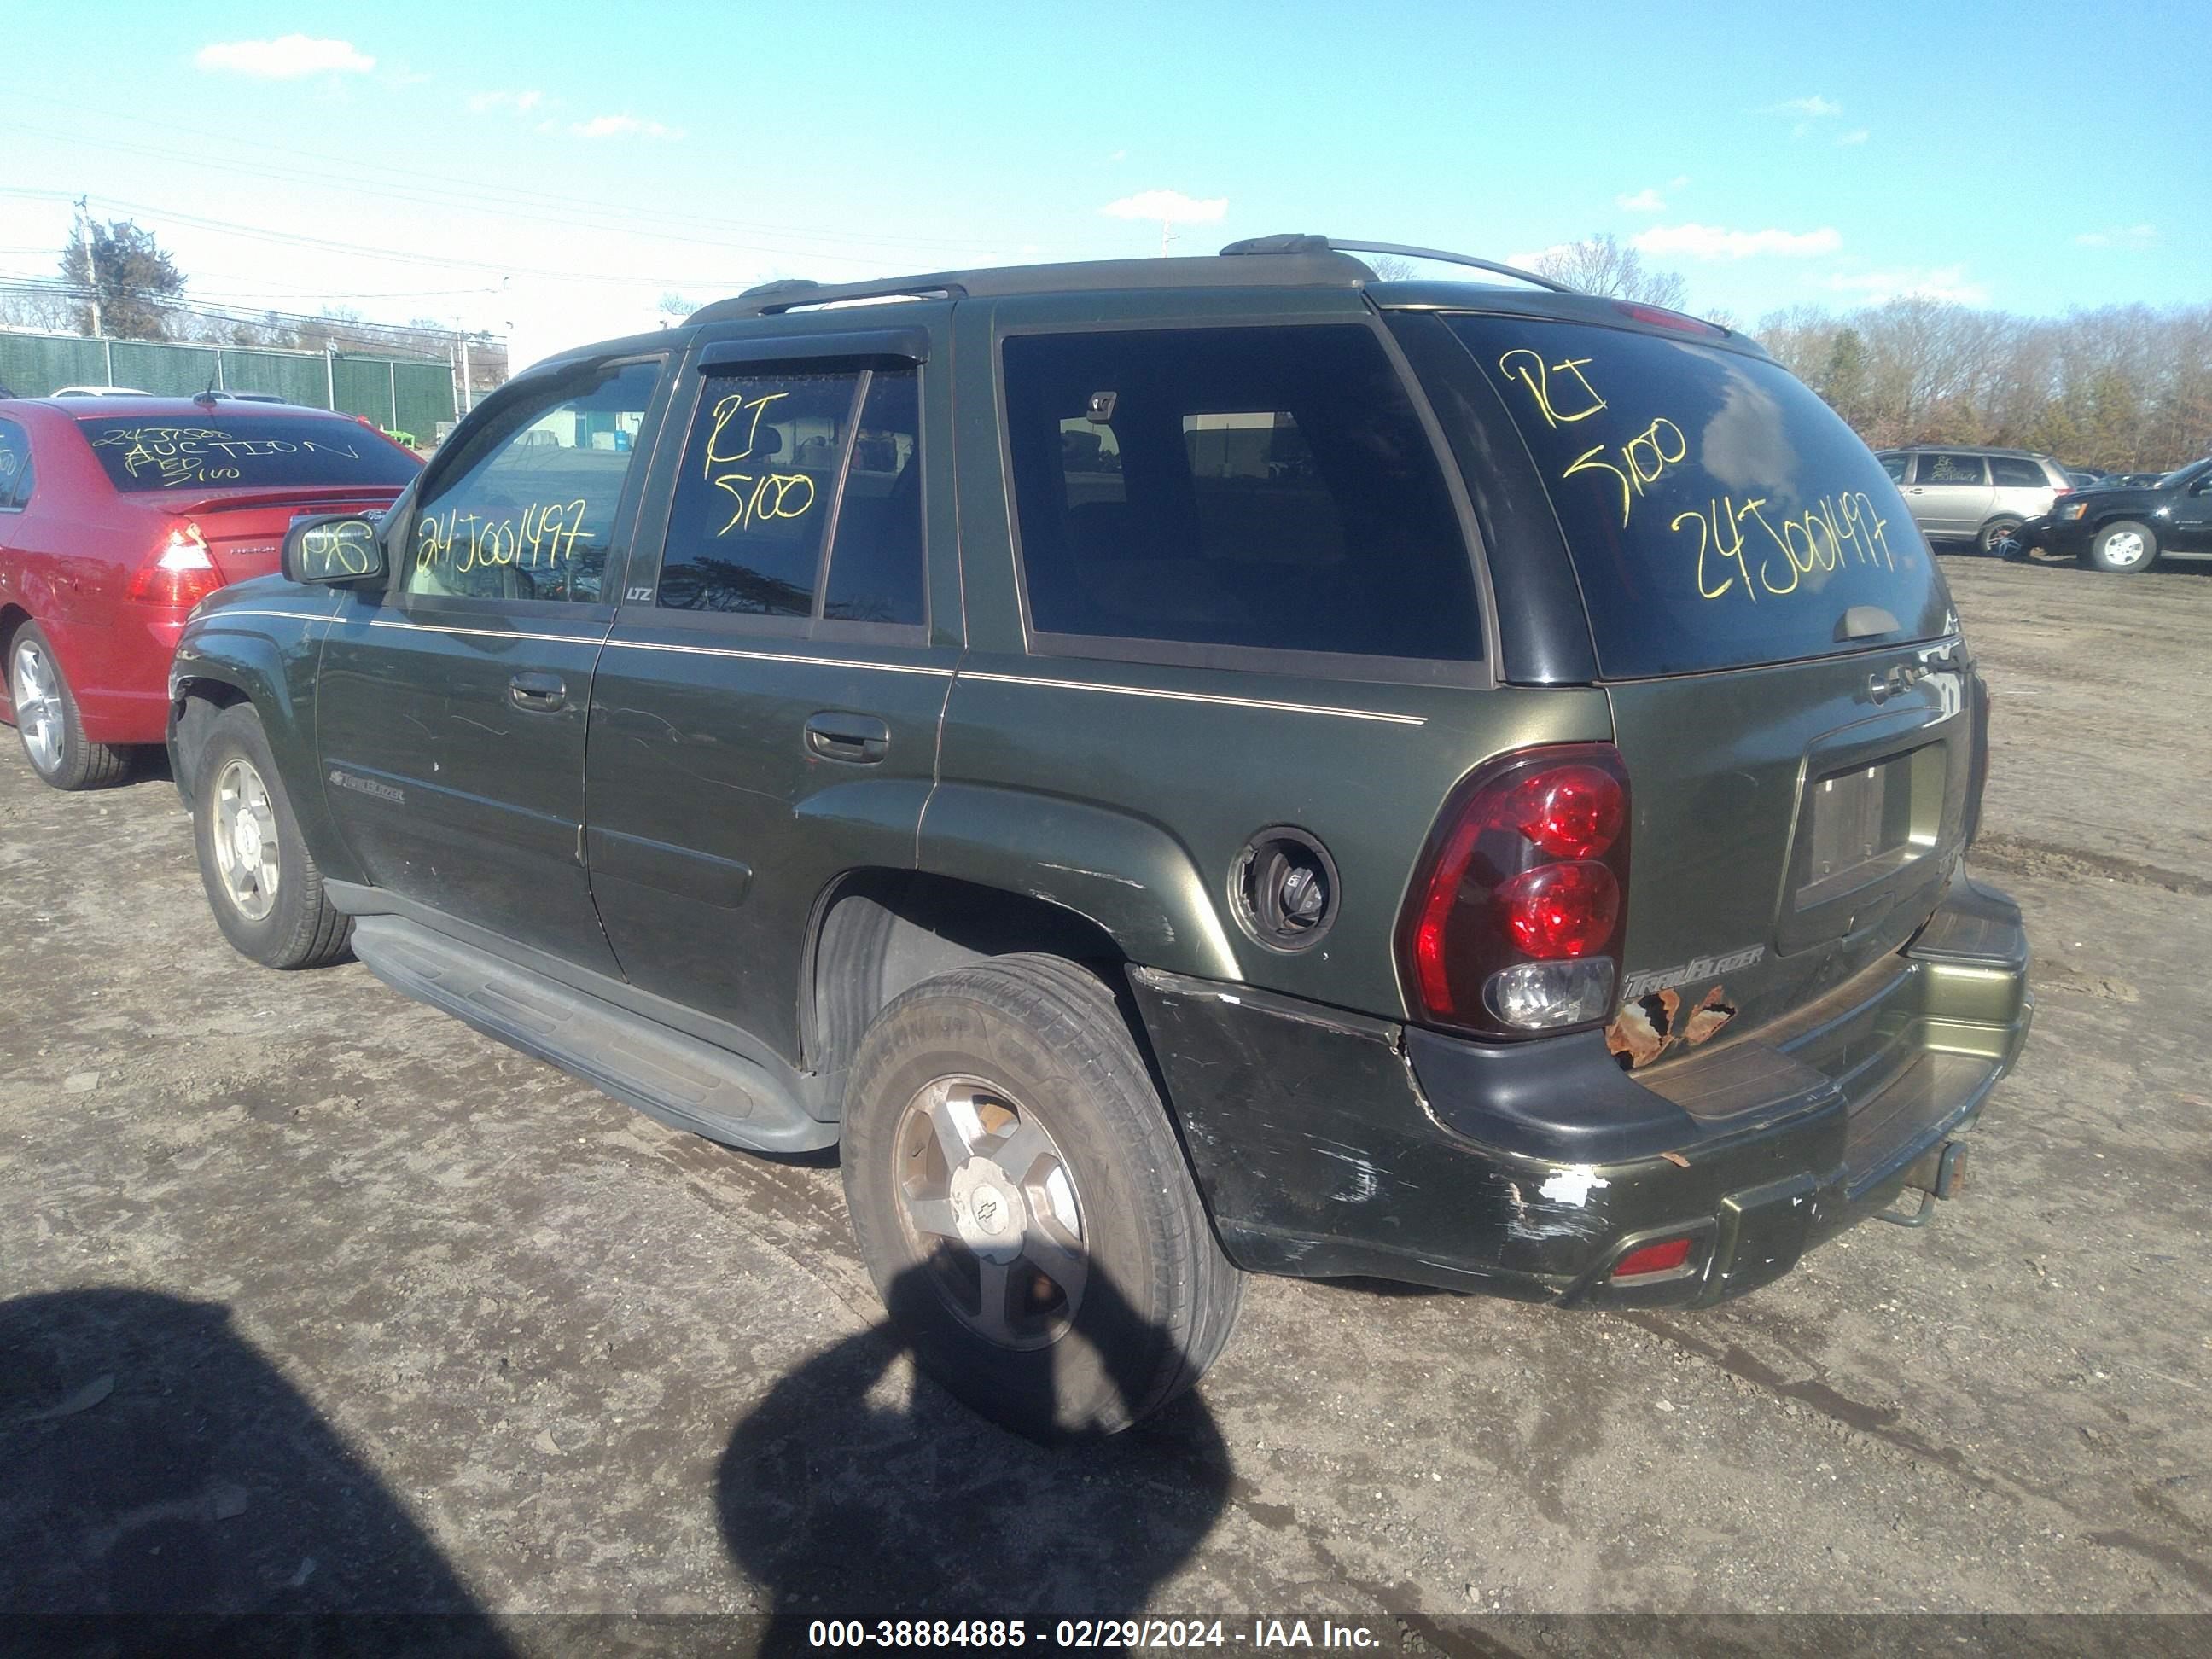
313, 1299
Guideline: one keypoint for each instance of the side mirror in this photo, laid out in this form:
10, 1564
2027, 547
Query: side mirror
336, 547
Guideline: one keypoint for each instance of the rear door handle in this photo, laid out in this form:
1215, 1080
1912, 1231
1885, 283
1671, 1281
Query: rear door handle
541, 694
860, 738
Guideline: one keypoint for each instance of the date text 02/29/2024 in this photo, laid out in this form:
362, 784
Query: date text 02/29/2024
1255, 1635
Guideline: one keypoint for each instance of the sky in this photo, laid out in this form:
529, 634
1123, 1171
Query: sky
549, 172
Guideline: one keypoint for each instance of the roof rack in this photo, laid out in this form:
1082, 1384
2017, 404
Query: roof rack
1295, 262
1296, 244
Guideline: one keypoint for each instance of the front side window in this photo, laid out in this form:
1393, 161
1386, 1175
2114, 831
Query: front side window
1264, 487
2012, 473
784, 465
1894, 466
1938, 467
528, 510
14, 466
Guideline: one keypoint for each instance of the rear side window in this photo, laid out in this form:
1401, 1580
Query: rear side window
1718, 513
14, 466
760, 492
1941, 467
2011, 472
242, 451
1268, 487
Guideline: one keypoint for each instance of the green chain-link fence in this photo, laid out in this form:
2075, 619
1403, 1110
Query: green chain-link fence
404, 394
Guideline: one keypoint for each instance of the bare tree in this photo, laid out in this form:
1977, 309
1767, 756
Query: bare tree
2124, 386
1604, 264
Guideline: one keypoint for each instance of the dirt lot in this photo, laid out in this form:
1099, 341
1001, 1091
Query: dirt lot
310, 1297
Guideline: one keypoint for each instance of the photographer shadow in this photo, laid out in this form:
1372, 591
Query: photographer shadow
846, 1496
153, 1464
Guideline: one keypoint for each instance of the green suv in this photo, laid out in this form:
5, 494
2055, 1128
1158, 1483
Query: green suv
1177, 767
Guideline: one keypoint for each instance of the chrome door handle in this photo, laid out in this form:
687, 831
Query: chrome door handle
540, 694
860, 738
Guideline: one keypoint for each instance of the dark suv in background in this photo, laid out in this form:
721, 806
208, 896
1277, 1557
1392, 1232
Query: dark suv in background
1175, 767
2126, 528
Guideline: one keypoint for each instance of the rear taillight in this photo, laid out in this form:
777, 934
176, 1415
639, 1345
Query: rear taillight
180, 574
1514, 921
2063, 489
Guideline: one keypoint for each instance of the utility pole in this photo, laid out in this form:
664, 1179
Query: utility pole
91, 269
468, 394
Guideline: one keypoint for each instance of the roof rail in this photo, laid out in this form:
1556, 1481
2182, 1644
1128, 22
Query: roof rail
789, 293
1296, 244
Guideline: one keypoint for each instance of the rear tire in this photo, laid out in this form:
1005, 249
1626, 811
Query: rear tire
1024, 1205
1997, 538
48, 722
2122, 548
261, 880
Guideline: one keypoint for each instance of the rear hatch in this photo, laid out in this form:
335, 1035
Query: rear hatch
1800, 722
243, 477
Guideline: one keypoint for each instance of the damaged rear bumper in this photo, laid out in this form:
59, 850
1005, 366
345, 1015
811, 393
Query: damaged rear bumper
1327, 1145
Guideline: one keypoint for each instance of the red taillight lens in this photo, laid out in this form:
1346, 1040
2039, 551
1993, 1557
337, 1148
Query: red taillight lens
1513, 923
180, 574
1560, 910
1660, 1257
1572, 812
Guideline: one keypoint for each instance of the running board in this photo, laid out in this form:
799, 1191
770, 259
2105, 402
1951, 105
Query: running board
674, 1078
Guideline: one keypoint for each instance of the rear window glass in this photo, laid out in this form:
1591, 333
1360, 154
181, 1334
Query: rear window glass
1718, 513
242, 451
1268, 487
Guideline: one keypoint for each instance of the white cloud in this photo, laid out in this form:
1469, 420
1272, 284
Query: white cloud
1856, 136
1119, 155
2118, 236
287, 58
1678, 181
621, 126
520, 102
1644, 200
1168, 206
1816, 108
1694, 241
1948, 283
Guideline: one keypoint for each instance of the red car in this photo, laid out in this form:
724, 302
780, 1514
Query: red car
117, 516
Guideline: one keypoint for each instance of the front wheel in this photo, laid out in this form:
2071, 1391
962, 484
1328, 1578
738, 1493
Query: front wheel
1022, 1201
47, 721
2001, 537
2123, 548
261, 880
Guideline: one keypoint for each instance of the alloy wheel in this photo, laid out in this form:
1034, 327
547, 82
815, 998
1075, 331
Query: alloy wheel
988, 1203
36, 690
244, 835
2124, 547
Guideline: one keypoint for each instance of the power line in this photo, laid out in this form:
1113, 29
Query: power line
420, 186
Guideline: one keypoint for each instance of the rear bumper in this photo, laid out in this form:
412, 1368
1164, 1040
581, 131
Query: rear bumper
1327, 1145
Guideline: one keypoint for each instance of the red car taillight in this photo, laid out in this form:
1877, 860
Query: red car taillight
1514, 921
180, 574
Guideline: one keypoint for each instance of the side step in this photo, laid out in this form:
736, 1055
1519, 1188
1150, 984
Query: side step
677, 1080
